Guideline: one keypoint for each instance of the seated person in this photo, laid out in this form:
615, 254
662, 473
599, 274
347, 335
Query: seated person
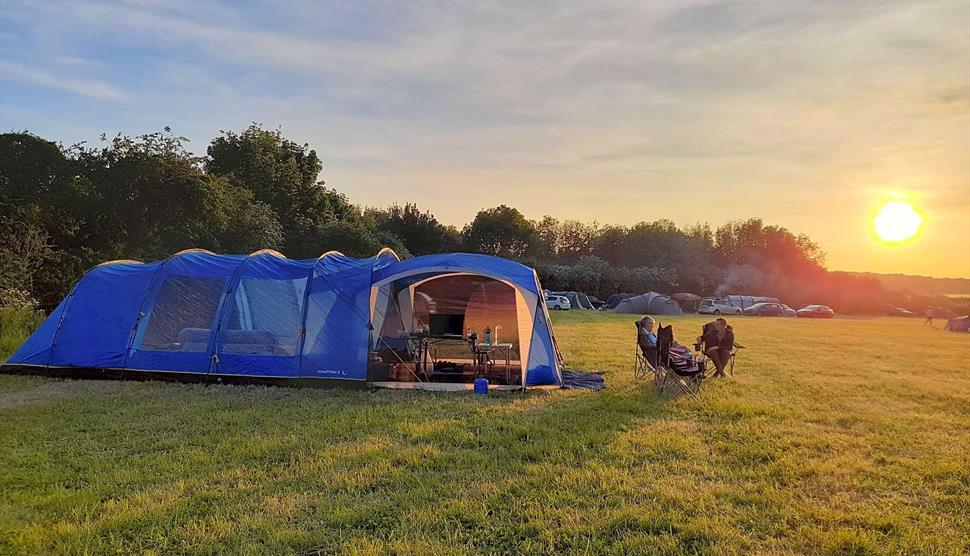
718, 340
646, 337
680, 356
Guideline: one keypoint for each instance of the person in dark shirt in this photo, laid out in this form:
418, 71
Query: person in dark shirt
718, 339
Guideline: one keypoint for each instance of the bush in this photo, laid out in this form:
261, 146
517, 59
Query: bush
16, 324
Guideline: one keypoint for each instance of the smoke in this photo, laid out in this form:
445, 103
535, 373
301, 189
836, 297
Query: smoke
742, 279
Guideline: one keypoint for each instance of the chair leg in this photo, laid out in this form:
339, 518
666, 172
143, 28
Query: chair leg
665, 380
690, 386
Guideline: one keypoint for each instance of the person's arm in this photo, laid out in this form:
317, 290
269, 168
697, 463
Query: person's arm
727, 342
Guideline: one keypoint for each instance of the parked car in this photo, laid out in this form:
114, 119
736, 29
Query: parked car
816, 312
557, 302
770, 310
711, 306
894, 311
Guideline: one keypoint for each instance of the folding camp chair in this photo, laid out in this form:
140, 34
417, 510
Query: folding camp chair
687, 379
734, 355
645, 360
702, 347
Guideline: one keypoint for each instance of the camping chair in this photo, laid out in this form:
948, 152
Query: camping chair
702, 347
687, 379
645, 360
484, 363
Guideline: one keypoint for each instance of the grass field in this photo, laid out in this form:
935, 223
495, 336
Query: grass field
842, 436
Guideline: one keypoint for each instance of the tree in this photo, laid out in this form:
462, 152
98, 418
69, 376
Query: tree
284, 175
419, 231
153, 198
136, 198
576, 239
771, 248
501, 231
609, 244
547, 232
42, 249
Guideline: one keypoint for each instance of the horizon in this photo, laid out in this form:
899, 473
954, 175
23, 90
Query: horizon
805, 117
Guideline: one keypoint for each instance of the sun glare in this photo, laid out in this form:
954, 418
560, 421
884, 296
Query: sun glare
897, 221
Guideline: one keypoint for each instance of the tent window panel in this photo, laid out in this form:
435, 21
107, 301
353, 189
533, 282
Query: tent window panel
265, 317
182, 316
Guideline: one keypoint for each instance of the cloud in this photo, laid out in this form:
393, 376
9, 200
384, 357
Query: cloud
757, 107
93, 89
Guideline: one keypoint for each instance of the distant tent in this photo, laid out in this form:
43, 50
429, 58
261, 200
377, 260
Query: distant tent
959, 324
687, 301
584, 301
650, 303
616, 298
745, 301
577, 300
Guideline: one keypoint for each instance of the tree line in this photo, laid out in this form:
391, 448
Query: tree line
64, 209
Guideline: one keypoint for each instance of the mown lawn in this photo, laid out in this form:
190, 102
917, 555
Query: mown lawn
842, 436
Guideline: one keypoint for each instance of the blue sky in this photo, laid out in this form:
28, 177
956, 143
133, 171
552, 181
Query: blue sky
805, 113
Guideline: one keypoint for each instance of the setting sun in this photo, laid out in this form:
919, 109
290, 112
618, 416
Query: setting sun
897, 221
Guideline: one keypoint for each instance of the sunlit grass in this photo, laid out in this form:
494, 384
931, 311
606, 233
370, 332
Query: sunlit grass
841, 436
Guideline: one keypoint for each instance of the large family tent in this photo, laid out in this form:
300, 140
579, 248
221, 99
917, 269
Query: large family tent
268, 318
650, 303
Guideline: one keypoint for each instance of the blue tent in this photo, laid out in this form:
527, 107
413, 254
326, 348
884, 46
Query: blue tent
263, 316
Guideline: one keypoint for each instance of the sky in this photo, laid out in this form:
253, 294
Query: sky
807, 114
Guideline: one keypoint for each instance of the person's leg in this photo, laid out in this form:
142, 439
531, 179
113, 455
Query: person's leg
715, 356
725, 359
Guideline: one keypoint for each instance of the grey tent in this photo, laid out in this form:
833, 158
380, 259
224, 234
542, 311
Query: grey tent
584, 301
960, 324
616, 298
577, 300
650, 303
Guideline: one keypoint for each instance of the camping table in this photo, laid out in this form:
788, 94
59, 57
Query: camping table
483, 349
426, 348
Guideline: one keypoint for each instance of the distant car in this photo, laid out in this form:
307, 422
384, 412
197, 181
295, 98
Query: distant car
770, 310
557, 302
711, 306
816, 312
894, 311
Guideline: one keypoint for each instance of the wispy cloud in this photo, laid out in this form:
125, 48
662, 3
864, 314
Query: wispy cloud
757, 106
85, 87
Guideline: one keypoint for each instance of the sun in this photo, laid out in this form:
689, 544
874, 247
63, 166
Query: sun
897, 221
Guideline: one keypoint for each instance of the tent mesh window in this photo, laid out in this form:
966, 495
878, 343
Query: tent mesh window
181, 318
265, 317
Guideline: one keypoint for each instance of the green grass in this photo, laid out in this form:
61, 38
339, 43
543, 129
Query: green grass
845, 436
15, 326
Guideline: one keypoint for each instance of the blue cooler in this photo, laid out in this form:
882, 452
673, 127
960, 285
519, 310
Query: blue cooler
481, 386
